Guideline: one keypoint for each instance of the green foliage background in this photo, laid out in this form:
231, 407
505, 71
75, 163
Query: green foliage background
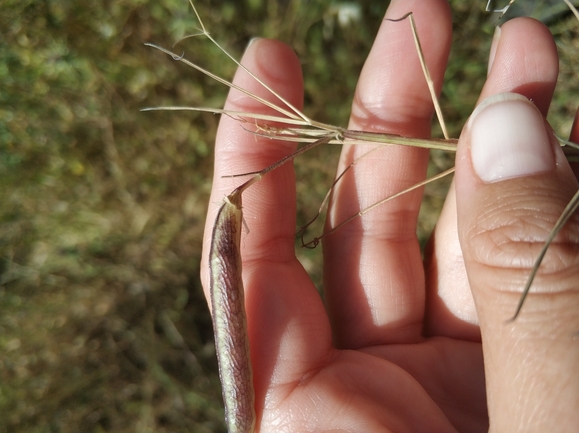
103, 325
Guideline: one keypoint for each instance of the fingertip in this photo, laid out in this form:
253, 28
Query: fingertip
277, 66
524, 60
269, 68
269, 76
508, 139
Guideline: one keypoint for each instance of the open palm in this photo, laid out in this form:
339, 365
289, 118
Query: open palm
397, 346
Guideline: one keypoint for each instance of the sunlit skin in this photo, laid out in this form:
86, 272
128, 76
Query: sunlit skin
397, 346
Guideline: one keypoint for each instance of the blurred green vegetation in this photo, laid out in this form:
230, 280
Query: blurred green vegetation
103, 325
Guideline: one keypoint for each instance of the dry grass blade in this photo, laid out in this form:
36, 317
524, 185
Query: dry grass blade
217, 78
563, 219
314, 242
426, 72
572, 8
502, 11
340, 134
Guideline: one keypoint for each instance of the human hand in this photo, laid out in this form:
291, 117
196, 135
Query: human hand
398, 345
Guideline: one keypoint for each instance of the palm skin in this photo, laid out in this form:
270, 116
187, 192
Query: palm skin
397, 346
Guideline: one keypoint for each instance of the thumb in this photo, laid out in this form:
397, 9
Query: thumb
512, 183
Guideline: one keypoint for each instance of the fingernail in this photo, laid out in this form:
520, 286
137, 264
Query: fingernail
508, 139
251, 41
494, 45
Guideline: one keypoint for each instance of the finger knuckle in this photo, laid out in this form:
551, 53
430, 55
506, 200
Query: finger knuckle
509, 238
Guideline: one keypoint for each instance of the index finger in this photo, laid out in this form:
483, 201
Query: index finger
285, 316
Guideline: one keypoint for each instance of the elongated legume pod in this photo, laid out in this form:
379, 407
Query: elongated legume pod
229, 321
228, 305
